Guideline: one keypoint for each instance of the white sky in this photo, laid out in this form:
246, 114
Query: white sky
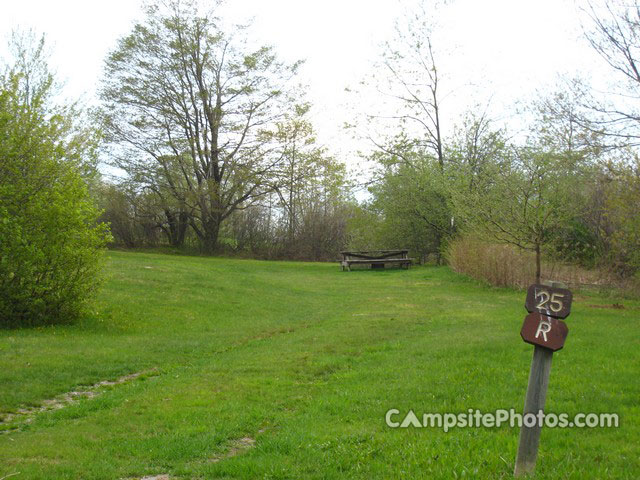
503, 49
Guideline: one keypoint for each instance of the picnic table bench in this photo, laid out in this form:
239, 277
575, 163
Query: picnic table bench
376, 258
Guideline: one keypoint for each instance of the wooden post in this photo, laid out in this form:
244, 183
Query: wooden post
533, 403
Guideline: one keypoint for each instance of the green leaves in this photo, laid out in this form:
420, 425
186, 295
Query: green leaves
50, 248
412, 200
178, 86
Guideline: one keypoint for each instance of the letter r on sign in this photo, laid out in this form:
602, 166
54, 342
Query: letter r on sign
543, 328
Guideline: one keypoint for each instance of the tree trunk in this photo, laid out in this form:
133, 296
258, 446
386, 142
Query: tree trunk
211, 230
537, 263
183, 224
177, 227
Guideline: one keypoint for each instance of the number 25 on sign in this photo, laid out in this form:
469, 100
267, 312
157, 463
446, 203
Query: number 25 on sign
552, 301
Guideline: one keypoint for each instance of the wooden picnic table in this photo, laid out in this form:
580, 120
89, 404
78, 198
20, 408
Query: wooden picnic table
376, 258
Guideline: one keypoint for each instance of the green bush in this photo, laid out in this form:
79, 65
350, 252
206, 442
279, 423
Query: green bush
50, 242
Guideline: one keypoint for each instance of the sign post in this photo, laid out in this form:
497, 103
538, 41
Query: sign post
546, 304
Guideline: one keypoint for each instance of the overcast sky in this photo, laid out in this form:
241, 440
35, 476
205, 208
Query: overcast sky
498, 49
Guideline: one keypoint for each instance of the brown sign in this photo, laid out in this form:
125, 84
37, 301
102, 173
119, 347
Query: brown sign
545, 331
550, 301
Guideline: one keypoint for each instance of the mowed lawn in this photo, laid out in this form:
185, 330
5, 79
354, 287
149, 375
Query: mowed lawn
285, 370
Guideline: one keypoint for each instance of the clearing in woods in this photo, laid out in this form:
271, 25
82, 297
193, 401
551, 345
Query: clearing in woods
204, 368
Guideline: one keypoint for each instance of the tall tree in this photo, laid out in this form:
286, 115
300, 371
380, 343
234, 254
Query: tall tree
409, 83
300, 155
475, 149
182, 96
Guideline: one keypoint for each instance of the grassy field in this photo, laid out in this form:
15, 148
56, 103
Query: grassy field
268, 370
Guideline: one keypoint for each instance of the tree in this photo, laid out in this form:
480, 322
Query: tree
325, 206
411, 197
182, 96
557, 123
622, 203
318, 196
118, 212
301, 157
557, 128
409, 80
613, 31
153, 190
476, 148
139, 217
51, 248
522, 201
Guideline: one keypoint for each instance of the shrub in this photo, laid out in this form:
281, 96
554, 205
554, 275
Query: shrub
50, 242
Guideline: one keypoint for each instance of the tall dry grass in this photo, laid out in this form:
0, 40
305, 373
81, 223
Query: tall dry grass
509, 266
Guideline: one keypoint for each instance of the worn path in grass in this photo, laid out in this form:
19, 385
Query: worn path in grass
285, 370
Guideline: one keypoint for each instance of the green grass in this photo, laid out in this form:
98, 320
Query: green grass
306, 360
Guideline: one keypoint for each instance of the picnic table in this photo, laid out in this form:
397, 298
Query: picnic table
376, 258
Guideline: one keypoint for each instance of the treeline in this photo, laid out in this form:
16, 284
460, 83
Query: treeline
216, 153
565, 191
304, 217
555, 198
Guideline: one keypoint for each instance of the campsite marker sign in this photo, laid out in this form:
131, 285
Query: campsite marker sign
545, 306
543, 328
